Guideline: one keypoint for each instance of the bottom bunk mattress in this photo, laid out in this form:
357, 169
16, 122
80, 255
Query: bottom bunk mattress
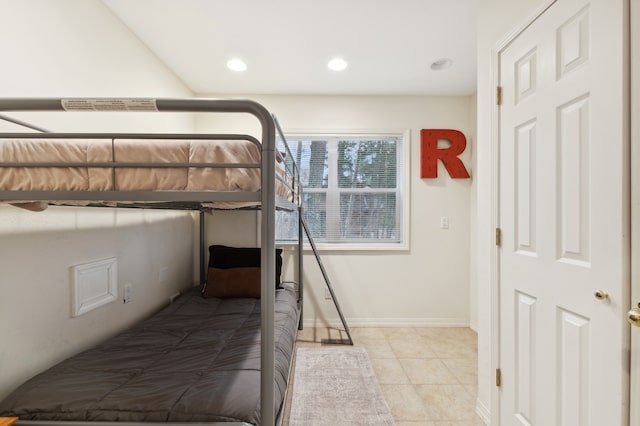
197, 360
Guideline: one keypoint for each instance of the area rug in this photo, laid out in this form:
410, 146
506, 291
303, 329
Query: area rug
336, 386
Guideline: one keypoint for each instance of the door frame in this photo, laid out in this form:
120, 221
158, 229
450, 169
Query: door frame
497, 50
634, 59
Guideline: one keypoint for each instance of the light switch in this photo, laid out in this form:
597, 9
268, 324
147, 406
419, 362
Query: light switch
444, 222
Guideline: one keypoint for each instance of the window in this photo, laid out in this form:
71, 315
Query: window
354, 190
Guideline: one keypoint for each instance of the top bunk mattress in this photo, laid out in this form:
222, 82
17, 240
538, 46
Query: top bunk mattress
121, 164
197, 360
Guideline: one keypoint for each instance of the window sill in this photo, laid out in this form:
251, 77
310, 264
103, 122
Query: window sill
349, 247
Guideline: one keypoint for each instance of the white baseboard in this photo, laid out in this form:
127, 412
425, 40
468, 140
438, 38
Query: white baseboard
387, 322
483, 412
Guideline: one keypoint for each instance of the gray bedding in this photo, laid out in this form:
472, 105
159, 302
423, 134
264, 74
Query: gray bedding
197, 360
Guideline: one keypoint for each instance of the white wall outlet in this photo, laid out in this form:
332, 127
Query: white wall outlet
163, 274
127, 293
327, 294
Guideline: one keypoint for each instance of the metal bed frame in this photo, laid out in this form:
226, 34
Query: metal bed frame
269, 203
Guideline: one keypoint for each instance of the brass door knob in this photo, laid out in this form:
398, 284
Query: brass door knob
601, 295
633, 316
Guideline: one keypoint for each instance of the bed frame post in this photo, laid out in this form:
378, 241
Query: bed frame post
201, 218
300, 268
268, 269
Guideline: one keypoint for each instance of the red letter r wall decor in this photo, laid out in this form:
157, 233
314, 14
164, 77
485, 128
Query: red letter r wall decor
430, 153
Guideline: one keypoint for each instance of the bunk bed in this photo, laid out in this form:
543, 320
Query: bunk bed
177, 171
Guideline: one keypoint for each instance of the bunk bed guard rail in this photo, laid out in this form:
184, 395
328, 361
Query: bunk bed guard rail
268, 201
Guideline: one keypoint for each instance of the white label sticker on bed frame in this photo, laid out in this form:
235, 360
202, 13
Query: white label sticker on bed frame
109, 104
94, 284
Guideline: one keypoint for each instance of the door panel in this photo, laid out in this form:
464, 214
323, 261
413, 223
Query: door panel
525, 373
572, 183
564, 219
525, 188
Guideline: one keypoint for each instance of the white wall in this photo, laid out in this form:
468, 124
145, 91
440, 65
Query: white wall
496, 19
77, 48
427, 285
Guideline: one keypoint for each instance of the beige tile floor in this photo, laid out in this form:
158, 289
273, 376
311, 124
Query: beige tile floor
428, 375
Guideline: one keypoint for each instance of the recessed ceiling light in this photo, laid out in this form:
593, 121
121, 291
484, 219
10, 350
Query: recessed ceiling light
441, 64
337, 64
236, 64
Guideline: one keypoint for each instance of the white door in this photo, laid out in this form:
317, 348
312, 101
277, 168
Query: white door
564, 216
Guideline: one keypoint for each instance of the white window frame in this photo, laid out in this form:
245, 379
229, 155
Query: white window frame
404, 185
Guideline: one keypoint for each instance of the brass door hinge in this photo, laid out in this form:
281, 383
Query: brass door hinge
498, 377
498, 237
498, 95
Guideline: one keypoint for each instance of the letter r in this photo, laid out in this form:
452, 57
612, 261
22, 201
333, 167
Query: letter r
430, 153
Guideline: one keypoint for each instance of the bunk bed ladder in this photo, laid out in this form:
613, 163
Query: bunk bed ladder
348, 341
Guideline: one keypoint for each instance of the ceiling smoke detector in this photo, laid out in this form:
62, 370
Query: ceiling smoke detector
441, 64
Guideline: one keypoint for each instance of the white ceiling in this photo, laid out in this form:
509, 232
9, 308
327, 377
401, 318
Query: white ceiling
388, 44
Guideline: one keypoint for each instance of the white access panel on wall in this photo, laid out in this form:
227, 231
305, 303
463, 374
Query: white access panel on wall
94, 284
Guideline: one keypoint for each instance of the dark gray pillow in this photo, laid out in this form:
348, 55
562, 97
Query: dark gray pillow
225, 257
